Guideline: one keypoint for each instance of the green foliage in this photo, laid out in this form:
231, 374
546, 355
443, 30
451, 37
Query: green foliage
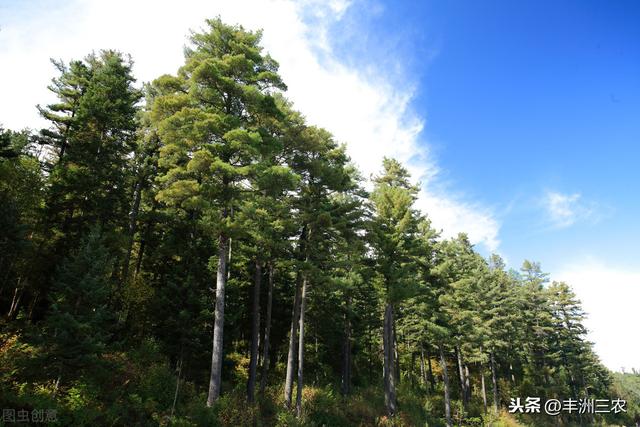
627, 386
111, 228
394, 229
78, 326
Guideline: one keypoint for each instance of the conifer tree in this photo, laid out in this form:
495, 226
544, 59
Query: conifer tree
211, 133
112, 229
499, 317
537, 322
79, 323
92, 136
265, 218
393, 238
322, 166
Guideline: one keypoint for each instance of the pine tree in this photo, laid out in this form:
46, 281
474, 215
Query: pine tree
393, 239
322, 166
210, 126
537, 322
265, 218
69, 88
499, 317
92, 136
460, 270
109, 246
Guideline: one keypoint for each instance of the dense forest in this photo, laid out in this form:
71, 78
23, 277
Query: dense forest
191, 252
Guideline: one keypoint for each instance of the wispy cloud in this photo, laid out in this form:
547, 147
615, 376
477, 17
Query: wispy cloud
361, 105
609, 295
369, 111
565, 210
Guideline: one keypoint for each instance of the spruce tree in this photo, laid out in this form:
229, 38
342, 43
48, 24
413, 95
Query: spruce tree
79, 323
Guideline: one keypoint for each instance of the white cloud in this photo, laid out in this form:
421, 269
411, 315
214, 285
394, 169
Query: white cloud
455, 216
565, 210
610, 297
361, 107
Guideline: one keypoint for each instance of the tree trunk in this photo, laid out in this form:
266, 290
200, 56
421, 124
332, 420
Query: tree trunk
412, 369
218, 325
293, 337
423, 370
370, 352
267, 333
133, 224
144, 238
143, 244
255, 332
346, 352
15, 302
495, 383
32, 306
56, 385
467, 382
445, 381
388, 341
432, 380
229, 259
463, 383
293, 342
396, 358
303, 302
484, 390
175, 395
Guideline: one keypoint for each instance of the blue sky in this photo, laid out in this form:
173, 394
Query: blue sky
521, 119
522, 99
532, 109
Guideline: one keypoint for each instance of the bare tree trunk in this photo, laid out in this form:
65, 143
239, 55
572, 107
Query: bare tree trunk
143, 240
56, 385
15, 302
346, 352
423, 371
586, 396
484, 390
388, 341
33, 305
218, 325
445, 381
133, 225
255, 332
303, 302
396, 358
229, 259
175, 395
293, 342
143, 244
495, 383
412, 368
267, 333
432, 381
463, 387
370, 352
293, 337
467, 382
